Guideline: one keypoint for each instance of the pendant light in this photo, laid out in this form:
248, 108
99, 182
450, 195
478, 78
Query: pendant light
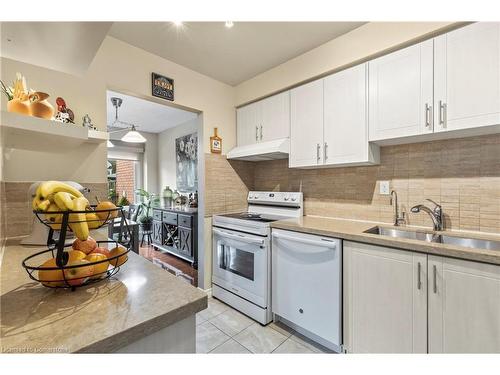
133, 136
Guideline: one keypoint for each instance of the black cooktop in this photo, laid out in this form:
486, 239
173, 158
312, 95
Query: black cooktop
252, 216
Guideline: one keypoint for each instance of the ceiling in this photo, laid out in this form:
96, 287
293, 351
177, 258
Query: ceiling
229, 55
68, 47
147, 116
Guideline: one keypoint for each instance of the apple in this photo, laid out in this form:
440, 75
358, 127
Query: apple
76, 255
99, 268
101, 250
77, 276
121, 259
86, 246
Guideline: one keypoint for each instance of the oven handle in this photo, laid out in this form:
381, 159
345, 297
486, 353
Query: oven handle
238, 237
329, 244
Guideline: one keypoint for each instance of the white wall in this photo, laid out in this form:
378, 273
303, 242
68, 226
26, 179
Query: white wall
166, 152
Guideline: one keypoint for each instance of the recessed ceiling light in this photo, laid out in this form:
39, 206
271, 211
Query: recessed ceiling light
229, 24
177, 23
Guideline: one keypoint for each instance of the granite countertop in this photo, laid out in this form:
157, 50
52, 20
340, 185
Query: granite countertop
353, 231
103, 317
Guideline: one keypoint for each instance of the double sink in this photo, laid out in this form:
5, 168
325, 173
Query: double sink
473, 243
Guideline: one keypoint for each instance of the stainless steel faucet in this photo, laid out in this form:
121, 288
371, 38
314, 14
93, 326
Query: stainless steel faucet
398, 220
436, 214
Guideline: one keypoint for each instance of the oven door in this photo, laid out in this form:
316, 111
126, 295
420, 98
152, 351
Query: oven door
241, 264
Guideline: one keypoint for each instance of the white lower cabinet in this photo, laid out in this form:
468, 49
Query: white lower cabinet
464, 306
385, 300
307, 285
398, 301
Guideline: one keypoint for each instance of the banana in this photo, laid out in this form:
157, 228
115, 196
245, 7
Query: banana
65, 201
56, 219
93, 221
44, 205
50, 187
78, 222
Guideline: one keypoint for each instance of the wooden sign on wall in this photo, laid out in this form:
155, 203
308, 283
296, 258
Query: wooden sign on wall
162, 87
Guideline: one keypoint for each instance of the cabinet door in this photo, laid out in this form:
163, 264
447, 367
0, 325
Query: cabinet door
385, 300
186, 242
345, 111
306, 125
401, 93
275, 117
464, 306
247, 124
157, 232
467, 80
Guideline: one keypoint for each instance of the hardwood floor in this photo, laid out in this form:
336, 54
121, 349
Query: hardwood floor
171, 263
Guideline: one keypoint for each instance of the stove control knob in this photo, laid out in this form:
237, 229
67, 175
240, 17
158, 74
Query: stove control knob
294, 199
286, 199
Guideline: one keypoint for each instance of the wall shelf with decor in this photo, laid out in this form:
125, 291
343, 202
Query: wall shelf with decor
16, 124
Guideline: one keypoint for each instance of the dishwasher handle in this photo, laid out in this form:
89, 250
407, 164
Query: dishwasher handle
330, 244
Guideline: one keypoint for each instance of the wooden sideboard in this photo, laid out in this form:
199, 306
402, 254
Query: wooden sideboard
176, 231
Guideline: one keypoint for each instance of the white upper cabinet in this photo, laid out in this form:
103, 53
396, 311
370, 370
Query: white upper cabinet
464, 306
275, 121
265, 120
346, 119
467, 77
247, 124
306, 125
401, 93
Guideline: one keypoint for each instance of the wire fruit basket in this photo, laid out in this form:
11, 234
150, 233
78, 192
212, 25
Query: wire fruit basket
55, 268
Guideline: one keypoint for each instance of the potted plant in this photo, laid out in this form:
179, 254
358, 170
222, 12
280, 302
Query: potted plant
148, 200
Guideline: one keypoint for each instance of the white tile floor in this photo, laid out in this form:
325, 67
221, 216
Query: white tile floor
222, 329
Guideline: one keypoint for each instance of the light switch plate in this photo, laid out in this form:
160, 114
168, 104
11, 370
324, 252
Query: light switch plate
384, 187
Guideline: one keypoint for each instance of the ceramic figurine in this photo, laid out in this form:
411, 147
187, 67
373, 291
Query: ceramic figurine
39, 106
17, 96
64, 114
87, 122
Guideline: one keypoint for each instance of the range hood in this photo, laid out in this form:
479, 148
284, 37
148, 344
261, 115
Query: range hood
277, 149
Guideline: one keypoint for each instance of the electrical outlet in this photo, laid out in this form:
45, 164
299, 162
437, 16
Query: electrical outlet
384, 187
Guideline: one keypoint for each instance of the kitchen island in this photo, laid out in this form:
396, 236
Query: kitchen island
142, 309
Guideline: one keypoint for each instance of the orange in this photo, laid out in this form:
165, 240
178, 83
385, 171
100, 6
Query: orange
106, 205
100, 268
51, 277
120, 260
77, 276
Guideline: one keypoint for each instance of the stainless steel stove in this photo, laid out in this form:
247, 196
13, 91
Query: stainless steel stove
242, 251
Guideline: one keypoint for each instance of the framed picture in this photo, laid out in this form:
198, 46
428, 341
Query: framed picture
162, 87
186, 154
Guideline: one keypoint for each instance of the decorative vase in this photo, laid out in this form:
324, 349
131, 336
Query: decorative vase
167, 196
18, 106
40, 107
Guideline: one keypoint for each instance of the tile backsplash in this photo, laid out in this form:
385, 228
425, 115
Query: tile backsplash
463, 175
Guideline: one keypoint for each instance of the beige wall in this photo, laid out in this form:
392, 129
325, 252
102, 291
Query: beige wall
358, 45
166, 153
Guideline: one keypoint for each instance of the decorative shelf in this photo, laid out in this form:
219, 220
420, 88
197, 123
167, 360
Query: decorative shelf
13, 123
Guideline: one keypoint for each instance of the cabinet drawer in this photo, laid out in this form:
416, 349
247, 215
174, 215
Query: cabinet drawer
157, 215
170, 218
185, 221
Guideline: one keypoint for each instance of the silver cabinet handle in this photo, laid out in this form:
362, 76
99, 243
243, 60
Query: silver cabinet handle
325, 151
256, 133
317, 152
419, 280
428, 115
434, 277
442, 114
261, 132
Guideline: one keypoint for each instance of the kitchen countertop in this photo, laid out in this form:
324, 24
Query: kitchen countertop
103, 317
353, 231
